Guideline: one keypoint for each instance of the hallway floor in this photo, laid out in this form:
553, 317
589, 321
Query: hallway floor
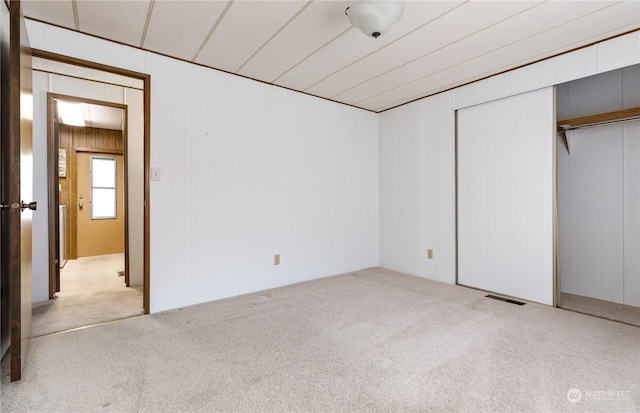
92, 292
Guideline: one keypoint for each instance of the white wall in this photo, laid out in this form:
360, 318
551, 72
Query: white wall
599, 190
134, 99
417, 202
505, 195
416, 137
247, 171
42, 84
40, 262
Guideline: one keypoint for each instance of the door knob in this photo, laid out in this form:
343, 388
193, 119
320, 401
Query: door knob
31, 205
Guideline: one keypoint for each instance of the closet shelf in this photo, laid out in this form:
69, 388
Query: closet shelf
600, 119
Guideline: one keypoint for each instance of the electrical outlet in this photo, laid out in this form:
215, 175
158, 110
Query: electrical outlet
430, 253
276, 259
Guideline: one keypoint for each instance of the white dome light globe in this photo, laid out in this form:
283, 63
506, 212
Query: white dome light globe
374, 17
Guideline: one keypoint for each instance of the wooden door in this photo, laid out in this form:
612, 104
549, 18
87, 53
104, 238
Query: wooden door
5, 331
17, 186
98, 235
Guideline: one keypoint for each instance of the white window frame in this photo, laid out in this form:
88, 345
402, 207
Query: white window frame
114, 187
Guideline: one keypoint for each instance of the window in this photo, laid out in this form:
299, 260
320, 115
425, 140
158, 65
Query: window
103, 188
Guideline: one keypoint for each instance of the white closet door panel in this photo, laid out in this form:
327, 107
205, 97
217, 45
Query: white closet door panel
505, 196
536, 185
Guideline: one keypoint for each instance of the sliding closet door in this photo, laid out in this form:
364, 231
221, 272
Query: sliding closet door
505, 196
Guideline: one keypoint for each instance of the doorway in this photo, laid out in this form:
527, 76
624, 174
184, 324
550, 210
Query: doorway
102, 88
100, 207
91, 282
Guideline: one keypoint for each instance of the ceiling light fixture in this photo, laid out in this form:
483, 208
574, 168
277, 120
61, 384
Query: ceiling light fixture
374, 17
71, 113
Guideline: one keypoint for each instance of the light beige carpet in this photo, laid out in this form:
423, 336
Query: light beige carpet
90, 292
372, 340
606, 309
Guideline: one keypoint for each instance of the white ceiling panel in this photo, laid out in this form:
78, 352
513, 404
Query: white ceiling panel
354, 45
609, 22
531, 49
244, 29
464, 21
121, 21
60, 12
308, 45
103, 117
178, 28
530, 23
317, 25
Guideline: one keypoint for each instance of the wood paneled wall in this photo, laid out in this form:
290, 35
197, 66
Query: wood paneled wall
81, 139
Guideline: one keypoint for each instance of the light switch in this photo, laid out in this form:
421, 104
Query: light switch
430, 253
155, 174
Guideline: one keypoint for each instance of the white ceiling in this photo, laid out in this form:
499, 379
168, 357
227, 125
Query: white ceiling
98, 116
310, 46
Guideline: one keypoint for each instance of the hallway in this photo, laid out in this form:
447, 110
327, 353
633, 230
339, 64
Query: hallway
92, 292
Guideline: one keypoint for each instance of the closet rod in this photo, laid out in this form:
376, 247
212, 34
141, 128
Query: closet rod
595, 125
626, 115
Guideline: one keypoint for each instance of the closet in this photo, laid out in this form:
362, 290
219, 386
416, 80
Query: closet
598, 194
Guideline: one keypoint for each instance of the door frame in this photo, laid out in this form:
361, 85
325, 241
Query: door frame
53, 181
53, 189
